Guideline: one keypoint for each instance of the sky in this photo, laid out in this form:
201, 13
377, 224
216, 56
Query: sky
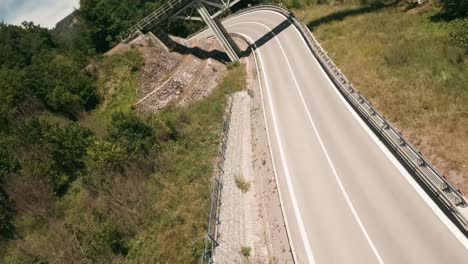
44, 12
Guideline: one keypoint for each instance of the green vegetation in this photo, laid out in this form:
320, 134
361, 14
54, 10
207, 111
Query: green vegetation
35, 75
245, 251
107, 19
116, 86
104, 22
86, 179
410, 63
83, 177
114, 186
191, 136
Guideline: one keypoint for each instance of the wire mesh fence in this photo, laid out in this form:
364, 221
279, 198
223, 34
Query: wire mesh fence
211, 240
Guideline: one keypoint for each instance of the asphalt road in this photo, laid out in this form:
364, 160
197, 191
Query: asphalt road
345, 197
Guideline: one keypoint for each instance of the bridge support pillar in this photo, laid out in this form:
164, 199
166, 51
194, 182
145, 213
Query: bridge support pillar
220, 32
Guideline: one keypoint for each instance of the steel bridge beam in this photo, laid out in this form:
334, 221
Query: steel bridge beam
220, 32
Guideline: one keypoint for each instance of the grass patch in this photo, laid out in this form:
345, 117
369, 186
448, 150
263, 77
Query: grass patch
242, 184
245, 251
409, 67
180, 201
117, 86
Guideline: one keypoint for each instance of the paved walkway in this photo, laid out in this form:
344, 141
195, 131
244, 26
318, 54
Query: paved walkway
236, 210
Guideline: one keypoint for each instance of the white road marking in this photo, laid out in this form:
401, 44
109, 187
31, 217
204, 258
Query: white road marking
447, 222
300, 223
434, 207
324, 149
291, 244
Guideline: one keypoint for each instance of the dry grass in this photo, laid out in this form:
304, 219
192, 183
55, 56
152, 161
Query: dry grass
407, 66
242, 184
182, 185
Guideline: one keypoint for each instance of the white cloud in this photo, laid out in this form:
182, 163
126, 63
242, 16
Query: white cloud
5, 4
44, 12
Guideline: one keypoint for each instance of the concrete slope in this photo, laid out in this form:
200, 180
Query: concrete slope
346, 199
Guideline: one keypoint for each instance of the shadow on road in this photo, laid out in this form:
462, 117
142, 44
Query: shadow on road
222, 57
218, 55
275, 31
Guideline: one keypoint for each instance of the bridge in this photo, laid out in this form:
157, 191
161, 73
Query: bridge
183, 9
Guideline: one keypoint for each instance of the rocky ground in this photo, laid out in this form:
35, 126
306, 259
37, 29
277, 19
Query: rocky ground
173, 77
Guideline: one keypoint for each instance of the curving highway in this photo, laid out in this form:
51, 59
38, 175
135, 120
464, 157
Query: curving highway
345, 197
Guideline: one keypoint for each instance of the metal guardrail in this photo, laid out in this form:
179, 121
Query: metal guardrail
211, 240
446, 192
449, 195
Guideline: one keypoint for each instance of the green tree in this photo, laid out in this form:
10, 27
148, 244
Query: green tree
54, 153
107, 20
68, 147
20, 44
61, 85
12, 94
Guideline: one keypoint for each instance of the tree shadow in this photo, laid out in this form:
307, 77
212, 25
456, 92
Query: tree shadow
340, 15
451, 9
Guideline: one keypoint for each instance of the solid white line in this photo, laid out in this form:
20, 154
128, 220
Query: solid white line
448, 223
340, 184
300, 223
435, 208
283, 211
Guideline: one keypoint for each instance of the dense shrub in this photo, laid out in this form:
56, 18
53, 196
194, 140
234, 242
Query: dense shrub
12, 94
68, 148
104, 155
7, 165
460, 33
61, 84
19, 45
54, 153
132, 134
455, 8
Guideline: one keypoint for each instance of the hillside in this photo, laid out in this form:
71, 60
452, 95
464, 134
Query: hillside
86, 175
